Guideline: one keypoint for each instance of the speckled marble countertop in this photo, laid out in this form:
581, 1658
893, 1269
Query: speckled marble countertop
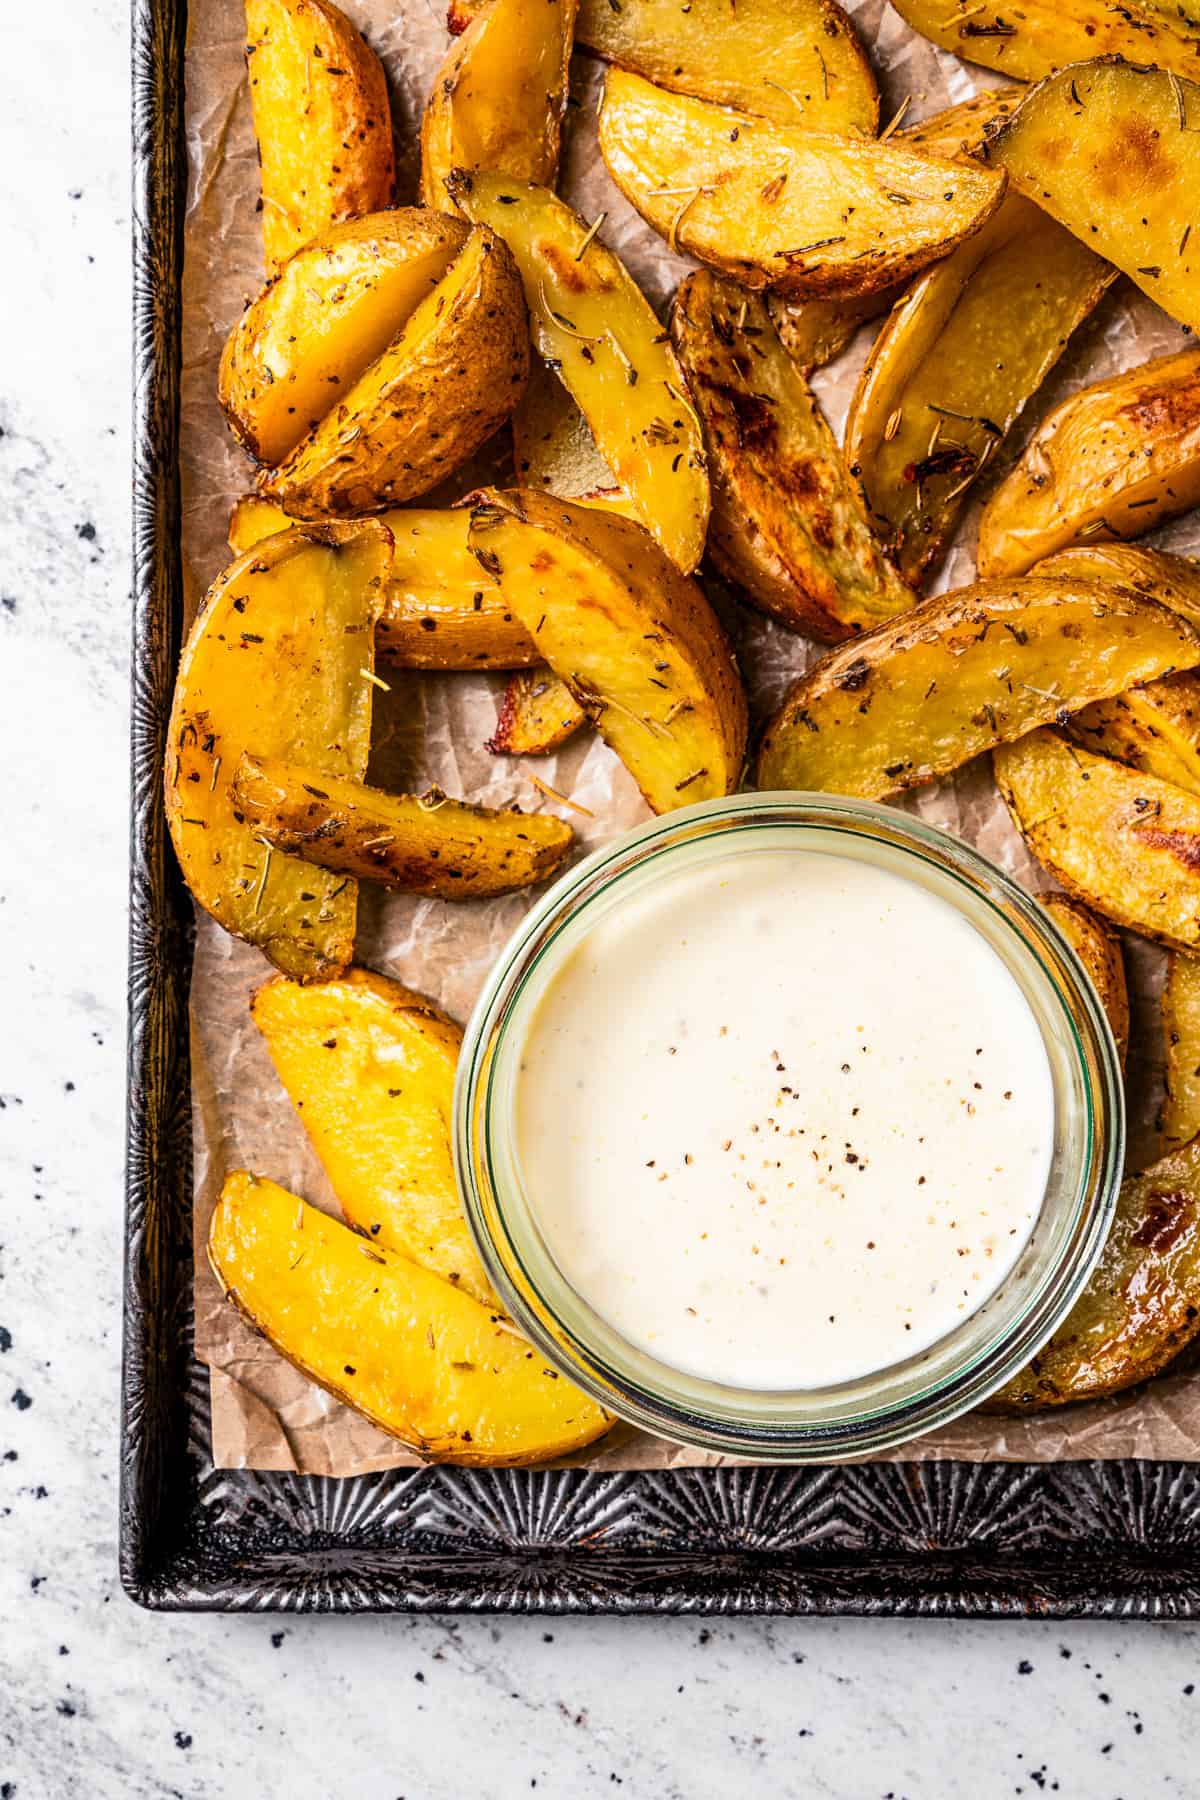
101, 1701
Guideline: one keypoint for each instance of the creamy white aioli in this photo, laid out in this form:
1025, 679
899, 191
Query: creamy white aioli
785, 1120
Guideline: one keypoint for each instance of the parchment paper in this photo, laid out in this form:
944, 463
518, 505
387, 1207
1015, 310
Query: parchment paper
432, 728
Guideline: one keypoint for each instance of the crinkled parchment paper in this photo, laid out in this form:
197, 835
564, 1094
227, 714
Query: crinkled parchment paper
432, 728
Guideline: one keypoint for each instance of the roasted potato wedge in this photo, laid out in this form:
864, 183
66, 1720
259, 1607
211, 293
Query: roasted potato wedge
1154, 728
1141, 1304
369, 1067
962, 129
788, 61
1126, 844
1113, 460
409, 1351
333, 309
1111, 151
538, 714
321, 118
1180, 1118
933, 404
415, 844
787, 522
440, 609
921, 695
279, 659
592, 323
1043, 36
499, 96
804, 211
636, 642
1099, 950
1172, 580
451, 375
554, 450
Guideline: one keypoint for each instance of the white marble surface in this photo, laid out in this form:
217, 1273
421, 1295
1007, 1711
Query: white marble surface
100, 1701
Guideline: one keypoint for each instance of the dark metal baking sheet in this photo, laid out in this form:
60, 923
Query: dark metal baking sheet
1072, 1539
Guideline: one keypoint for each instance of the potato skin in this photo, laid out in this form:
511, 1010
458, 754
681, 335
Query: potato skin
369, 1067
636, 641
1174, 581
1117, 458
538, 714
1110, 150
1141, 1304
922, 694
805, 212
449, 378
1099, 950
275, 659
414, 845
787, 522
1126, 844
321, 118
334, 307
1050, 34
426, 1363
1180, 1118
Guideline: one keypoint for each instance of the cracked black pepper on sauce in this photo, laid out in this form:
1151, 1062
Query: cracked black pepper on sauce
785, 1119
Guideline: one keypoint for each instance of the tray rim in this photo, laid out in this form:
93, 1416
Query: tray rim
1120, 1539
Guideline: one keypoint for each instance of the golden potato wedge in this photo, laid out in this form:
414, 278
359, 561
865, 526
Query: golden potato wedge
498, 99
592, 323
803, 211
334, 308
954, 366
1099, 950
415, 844
369, 1067
1180, 1118
451, 375
787, 522
321, 118
1141, 1304
636, 642
1042, 35
409, 1351
962, 129
921, 695
554, 450
790, 60
1111, 151
1126, 844
538, 714
1172, 580
1113, 460
280, 660
440, 610
1154, 728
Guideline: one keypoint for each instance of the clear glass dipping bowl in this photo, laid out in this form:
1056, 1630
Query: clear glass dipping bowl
889, 1406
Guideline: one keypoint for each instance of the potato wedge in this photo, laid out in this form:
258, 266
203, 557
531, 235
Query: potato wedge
787, 522
1180, 1117
424, 844
1141, 1304
1111, 151
1099, 950
790, 60
538, 714
451, 375
409, 1351
1126, 844
803, 211
498, 99
321, 118
962, 129
369, 1067
1041, 35
592, 323
440, 610
1174, 581
1113, 460
554, 450
1154, 728
333, 309
279, 659
921, 695
931, 408
636, 642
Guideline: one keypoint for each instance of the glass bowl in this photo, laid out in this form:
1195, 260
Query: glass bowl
889, 1406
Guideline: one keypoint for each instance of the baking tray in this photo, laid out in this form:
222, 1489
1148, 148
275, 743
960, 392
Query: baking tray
1099, 1539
